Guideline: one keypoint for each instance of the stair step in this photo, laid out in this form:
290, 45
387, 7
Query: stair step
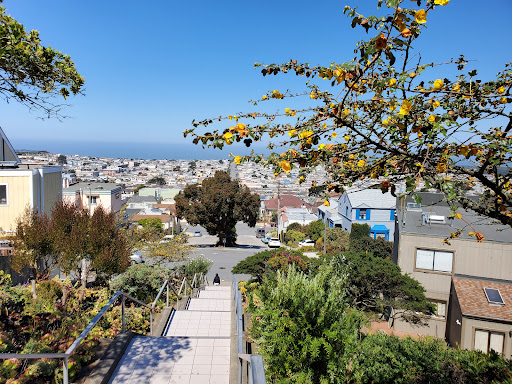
218, 288
212, 305
197, 323
217, 294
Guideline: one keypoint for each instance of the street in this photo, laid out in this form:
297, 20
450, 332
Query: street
224, 259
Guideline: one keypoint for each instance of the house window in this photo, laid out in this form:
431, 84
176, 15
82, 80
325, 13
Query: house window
487, 340
439, 308
346, 211
92, 200
3, 194
362, 214
439, 261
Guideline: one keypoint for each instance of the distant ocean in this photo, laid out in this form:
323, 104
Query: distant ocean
147, 151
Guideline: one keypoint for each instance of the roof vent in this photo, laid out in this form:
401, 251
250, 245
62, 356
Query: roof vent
434, 219
493, 296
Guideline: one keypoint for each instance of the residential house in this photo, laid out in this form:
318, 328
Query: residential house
368, 206
162, 194
268, 207
92, 195
457, 272
294, 215
34, 186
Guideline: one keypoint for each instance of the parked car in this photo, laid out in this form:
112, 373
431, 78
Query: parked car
306, 243
136, 258
197, 234
274, 242
266, 239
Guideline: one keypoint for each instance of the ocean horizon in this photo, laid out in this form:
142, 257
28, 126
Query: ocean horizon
142, 150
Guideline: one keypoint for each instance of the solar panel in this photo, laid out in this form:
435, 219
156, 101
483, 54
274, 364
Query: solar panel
493, 296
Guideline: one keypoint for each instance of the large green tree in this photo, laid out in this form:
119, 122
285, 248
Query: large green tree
31, 73
388, 114
217, 205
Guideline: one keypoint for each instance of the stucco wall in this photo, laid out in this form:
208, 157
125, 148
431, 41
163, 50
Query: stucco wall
52, 190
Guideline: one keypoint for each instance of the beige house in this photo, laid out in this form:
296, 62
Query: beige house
25, 186
92, 195
419, 250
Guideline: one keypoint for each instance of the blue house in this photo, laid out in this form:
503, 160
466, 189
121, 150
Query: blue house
369, 206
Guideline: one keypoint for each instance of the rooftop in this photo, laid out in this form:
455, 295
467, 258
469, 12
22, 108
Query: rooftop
473, 300
94, 187
414, 220
371, 198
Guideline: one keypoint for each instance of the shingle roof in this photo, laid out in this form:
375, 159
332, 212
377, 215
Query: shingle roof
285, 201
371, 198
473, 302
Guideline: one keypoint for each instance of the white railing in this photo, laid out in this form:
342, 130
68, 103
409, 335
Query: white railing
66, 355
255, 369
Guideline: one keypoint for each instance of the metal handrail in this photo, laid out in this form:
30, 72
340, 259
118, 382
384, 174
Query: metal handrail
66, 355
256, 368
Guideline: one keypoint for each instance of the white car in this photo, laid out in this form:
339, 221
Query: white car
136, 258
274, 242
306, 243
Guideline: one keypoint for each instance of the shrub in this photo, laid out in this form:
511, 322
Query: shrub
316, 230
293, 237
253, 265
140, 281
359, 230
379, 247
195, 265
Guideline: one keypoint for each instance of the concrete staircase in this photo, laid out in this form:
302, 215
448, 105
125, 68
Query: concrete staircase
194, 349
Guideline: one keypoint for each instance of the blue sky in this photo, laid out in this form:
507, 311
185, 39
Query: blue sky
152, 67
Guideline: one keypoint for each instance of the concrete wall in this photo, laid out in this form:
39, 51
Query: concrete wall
436, 327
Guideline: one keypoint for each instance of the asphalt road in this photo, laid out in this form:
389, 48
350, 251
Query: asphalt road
224, 259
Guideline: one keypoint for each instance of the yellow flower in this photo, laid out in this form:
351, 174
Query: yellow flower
412, 75
237, 159
441, 167
285, 166
385, 122
324, 125
287, 110
301, 179
432, 118
292, 132
227, 136
501, 89
321, 146
347, 137
421, 16
438, 84
352, 157
436, 104
361, 163
458, 216
264, 97
334, 134
313, 95
441, 2
240, 126
392, 82
306, 134
405, 108
230, 117
503, 100
464, 150
326, 203
456, 88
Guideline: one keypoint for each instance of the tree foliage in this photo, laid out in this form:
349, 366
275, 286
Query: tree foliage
156, 180
379, 247
316, 229
152, 223
217, 205
31, 73
388, 115
358, 231
68, 236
